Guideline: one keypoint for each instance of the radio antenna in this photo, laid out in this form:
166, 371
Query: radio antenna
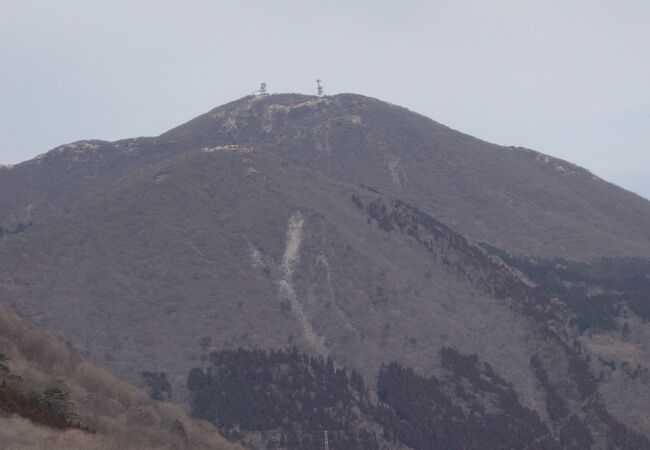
262, 91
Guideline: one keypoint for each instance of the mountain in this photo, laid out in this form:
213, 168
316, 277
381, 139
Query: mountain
517, 199
51, 398
481, 282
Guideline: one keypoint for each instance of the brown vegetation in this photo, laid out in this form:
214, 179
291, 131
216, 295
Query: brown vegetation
148, 254
103, 413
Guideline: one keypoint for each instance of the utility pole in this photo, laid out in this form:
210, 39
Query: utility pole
327, 444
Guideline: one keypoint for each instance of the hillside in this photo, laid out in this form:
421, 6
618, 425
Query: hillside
514, 198
52, 399
406, 252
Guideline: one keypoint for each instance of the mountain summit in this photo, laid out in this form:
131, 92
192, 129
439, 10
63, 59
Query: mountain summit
408, 276
518, 199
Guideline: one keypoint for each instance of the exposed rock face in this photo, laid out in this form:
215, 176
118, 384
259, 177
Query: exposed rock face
342, 225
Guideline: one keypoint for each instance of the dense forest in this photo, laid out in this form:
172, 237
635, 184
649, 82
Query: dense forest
288, 399
597, 293
471, 407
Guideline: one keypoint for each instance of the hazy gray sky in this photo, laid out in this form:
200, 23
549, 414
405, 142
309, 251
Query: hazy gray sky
569, 78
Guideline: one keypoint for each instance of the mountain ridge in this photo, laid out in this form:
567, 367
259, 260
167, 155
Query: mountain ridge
344, 226
581, 201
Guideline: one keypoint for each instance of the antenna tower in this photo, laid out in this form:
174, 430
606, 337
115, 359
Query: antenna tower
319, 88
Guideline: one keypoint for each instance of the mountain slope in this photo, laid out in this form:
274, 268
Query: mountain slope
348, 228
517, 199
110, 413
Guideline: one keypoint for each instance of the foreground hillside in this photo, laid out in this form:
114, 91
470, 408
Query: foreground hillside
349, 259
51, 399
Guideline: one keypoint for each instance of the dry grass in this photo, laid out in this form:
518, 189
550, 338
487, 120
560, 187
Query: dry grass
122, 416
